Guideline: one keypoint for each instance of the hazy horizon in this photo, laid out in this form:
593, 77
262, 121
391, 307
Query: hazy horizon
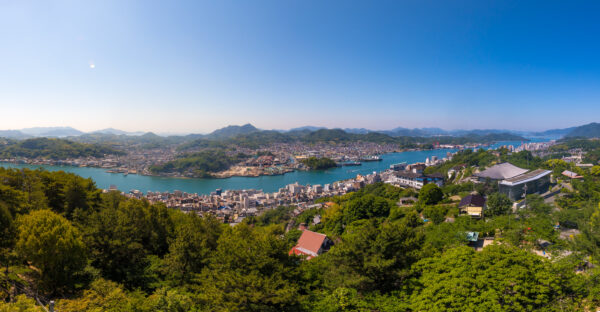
195, 66
141, 131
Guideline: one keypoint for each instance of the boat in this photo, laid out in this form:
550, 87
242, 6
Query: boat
352, 163
371, 158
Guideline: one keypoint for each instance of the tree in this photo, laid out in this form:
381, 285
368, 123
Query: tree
250, 271
595, 170
52, 245
430, 194
315, 163
190, 251
374, 257
119, 240
437, 214
499, 278
6, 227
498, 204
365, 207
21, 304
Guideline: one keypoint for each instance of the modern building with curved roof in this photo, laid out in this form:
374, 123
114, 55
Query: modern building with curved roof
500, 172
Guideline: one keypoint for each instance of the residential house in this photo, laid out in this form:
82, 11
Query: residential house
311, 244
472, 205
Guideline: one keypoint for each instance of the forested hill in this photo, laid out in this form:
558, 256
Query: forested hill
54, 149
201, 164
334, 136
63, 239
591, 130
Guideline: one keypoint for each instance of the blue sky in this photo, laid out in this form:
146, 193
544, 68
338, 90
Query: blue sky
193, 66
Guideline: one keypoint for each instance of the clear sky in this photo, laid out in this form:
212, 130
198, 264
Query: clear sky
193, 66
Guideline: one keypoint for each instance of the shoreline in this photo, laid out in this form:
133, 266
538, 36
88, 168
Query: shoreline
213, 176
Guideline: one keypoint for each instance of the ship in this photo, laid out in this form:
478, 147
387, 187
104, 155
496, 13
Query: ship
371, 158
352, 163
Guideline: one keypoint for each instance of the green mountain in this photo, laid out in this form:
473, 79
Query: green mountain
591, 130
231, 131
54, 149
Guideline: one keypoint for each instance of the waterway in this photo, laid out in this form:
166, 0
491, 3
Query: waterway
104, 179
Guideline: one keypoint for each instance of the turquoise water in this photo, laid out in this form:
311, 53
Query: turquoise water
266, 183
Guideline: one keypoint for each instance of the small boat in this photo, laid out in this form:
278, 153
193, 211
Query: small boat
351, 163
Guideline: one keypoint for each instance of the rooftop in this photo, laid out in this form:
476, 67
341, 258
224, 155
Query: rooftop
527, 177
571, 174
474, 200
501, 171
309, 243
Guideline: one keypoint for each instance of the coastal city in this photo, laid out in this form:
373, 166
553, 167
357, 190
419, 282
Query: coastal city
274, 159
299, 156
232, 206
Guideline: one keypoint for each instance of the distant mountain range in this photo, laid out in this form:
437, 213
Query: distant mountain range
117, 132
51, 131
591, 130
231, 131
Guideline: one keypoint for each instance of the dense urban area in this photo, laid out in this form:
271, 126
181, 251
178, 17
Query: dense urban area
231, 151
513, 228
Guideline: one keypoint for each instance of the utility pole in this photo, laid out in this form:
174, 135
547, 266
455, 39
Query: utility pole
525, 195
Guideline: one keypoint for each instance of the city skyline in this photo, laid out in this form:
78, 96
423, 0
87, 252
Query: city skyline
192, 67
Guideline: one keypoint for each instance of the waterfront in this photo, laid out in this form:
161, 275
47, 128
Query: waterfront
143, 183
104, 179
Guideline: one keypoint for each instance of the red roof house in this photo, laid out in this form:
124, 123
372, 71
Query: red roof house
311, 244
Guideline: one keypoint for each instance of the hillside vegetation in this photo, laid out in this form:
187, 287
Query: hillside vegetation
591, 130
200, 164
54, 149
321, 163
63, 239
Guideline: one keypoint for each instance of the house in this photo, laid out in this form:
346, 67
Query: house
571, 175
311, 244
416, 179
472, 205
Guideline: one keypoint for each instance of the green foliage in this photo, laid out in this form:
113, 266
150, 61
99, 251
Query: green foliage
430, 194
322, 163
500, 278
366, 207
498, 204
21, 304
120, 239
200, 164
437, 213
595, 171
522, 159
253, 138
480, 158
52, 245
195, 240
145, 257
54, 149
375, 256
281, 214
250, 271
6, 227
